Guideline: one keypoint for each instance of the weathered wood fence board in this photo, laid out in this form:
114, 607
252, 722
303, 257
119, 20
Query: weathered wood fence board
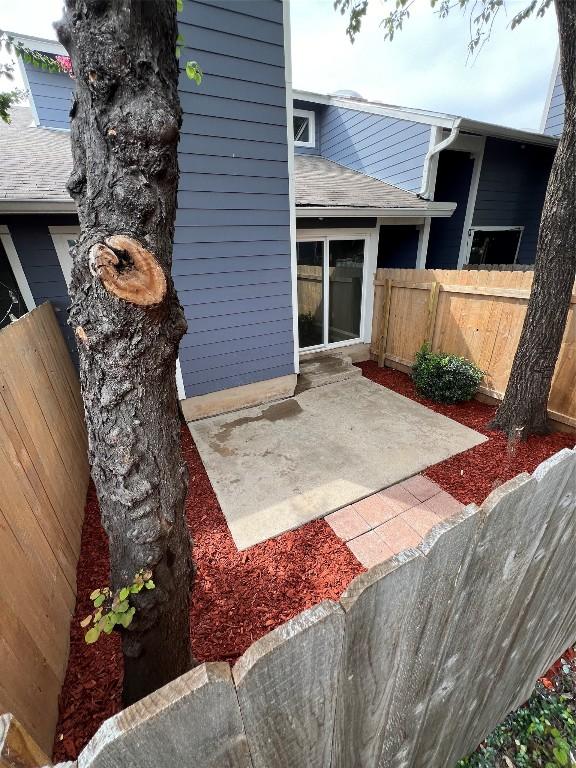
193, 721
476, 314
287, 690
43, 482
423, 657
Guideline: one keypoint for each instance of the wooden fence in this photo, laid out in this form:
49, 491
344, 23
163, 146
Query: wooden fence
422, 657
475, 314
43, 482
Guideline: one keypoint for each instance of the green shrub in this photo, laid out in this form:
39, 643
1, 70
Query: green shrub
445, 378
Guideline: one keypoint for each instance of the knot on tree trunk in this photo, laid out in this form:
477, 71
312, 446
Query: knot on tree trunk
128, 270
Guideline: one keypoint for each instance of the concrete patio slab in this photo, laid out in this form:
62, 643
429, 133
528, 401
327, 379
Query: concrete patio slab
275, 467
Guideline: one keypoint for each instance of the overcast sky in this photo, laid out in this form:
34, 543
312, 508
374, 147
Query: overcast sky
425, 66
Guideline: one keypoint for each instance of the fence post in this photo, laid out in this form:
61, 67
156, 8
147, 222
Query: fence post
385, 321
17, 748
432, 309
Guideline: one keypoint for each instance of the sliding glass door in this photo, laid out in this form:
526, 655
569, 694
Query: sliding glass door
330, 290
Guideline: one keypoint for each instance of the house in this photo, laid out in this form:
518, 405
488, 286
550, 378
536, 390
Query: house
288, 202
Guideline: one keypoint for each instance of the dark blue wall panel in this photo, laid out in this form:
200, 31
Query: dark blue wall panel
232, 241
555, 116
40, 264
453, 186
384, 147
511, 190
398, 246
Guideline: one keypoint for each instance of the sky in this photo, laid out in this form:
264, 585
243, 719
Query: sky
425, 66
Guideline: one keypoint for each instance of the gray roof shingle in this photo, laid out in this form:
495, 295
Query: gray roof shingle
34, 162
320, 183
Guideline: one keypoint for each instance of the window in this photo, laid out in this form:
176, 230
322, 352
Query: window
64, 238
494, 245
304, 128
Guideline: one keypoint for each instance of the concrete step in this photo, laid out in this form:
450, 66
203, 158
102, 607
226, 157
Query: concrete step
325, 369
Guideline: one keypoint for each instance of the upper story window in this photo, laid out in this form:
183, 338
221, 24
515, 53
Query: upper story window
304, 128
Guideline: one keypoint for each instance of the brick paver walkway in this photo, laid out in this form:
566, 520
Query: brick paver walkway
392, 520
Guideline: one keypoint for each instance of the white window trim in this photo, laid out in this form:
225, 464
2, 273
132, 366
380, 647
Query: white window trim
60, 236
470, 238
465, 242
311, 127
16, 267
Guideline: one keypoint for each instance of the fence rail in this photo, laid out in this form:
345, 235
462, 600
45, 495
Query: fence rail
43, 481
422, 657
476, 314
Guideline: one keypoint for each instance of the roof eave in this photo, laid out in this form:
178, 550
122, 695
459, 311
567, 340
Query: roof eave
503, 132
431, 210
37, 206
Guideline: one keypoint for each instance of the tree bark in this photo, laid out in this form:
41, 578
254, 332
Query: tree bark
524, 408
128, 321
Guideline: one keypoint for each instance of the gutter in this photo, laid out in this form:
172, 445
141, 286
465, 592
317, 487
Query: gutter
427, 191
432, 209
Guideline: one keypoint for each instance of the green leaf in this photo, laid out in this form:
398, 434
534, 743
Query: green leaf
180, 40
194, 72
121, 607
124, 592
561, 756
178, 51
99, 600
135, 588
92, 635
95, 594
125, 619
107, 622
149, 584
179, 5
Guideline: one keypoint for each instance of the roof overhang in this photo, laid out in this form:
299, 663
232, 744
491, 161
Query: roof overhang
436, 210
503, 132
37, 206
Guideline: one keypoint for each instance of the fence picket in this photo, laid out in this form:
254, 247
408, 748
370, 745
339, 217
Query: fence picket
286, 685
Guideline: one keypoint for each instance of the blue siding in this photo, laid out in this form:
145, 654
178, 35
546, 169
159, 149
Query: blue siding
453, 185
388, 149
232, 240
555, 116
398, 246
511, 190
52, 95
39, 261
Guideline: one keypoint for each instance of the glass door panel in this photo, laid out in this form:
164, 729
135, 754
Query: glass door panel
310, 262
345, 277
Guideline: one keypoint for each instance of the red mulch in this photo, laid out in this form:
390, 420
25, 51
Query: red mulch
237, 598
240, 596
472, 475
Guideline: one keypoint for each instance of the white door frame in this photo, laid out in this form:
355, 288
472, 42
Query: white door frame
315, 235
60, 235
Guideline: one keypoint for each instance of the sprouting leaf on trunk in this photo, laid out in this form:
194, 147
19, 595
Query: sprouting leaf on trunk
114, 608
194, 72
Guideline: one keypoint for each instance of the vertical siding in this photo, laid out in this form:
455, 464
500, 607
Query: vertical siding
452, 184
52, 95
555, 116
39, 261
232, 240
384, 147
511, 190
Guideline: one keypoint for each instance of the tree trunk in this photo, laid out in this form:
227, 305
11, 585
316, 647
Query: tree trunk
524, 408
126, 314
